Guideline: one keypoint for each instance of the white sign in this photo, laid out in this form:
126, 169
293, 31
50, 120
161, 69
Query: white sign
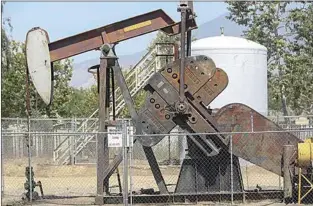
115, 137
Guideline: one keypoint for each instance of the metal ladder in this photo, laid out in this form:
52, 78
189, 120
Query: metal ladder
136, 78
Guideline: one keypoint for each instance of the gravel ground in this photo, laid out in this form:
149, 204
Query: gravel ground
69, 181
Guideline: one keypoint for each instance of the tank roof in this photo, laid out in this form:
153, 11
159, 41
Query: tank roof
226, 42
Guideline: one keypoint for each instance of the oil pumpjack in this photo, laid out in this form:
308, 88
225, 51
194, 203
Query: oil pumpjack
179, 94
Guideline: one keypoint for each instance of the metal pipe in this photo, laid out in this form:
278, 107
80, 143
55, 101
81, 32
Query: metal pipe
41, 189
107, 97
28, 109
182, 54
130, 167
190, 15
119, 181
189, 43
161, 134
231, 171
169, 149
98, 80
125, 163
30, 164
113, 93
299, 186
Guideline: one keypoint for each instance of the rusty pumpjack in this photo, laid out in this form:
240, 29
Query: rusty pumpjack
179, 95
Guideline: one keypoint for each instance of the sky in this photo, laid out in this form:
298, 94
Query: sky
63, 19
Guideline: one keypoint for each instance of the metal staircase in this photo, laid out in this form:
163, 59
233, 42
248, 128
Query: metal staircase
135, 78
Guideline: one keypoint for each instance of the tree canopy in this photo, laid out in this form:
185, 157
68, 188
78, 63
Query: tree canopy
285, 29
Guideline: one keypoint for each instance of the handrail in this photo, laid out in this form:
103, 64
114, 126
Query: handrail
79, 128
68, 147
142, 71
134, 69
134, 82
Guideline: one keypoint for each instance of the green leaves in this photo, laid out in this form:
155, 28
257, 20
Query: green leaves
285, 29
13, 94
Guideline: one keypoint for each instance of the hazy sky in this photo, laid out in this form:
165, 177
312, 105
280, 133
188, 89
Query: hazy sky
62, 19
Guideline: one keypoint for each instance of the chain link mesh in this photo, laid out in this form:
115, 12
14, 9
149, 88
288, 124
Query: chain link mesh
64, 155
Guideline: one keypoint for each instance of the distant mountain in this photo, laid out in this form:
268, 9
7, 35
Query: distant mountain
81, 78
213, 28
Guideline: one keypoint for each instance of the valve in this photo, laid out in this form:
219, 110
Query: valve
30, 185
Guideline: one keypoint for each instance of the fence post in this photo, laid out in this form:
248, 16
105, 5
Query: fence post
30, 161
37, 144
125, 163
2, 173
16, 142
75, 139
288, 151
169, 150
231, 170
13, 145
72, 143
130, 163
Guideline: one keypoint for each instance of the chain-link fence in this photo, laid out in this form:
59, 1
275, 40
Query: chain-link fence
182, 167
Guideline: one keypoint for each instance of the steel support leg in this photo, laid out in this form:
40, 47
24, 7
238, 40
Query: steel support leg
148, 151
155, 170
102, 143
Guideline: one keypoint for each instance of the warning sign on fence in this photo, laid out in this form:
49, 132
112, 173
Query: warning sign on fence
115, 138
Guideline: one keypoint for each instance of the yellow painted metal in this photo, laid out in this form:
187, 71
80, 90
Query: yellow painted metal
137, 26
305, 153
304, 160
300, 186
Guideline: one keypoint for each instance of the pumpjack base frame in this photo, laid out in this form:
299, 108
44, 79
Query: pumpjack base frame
250, 196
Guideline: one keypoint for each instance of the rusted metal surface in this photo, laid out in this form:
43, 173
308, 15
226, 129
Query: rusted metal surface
102, 143
114, 33
199, 69
154, 119
211, 89
155, 170
264, 149
288, 168
183, 12
158, 113
175, 28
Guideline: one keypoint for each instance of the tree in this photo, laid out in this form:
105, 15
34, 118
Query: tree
267, 23
62, 91
299, 62
13, 82
83, 102
5, 41
14, 87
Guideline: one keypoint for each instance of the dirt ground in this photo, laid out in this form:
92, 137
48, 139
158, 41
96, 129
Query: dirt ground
80, 181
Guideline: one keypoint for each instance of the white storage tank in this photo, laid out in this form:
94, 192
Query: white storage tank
245, 63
